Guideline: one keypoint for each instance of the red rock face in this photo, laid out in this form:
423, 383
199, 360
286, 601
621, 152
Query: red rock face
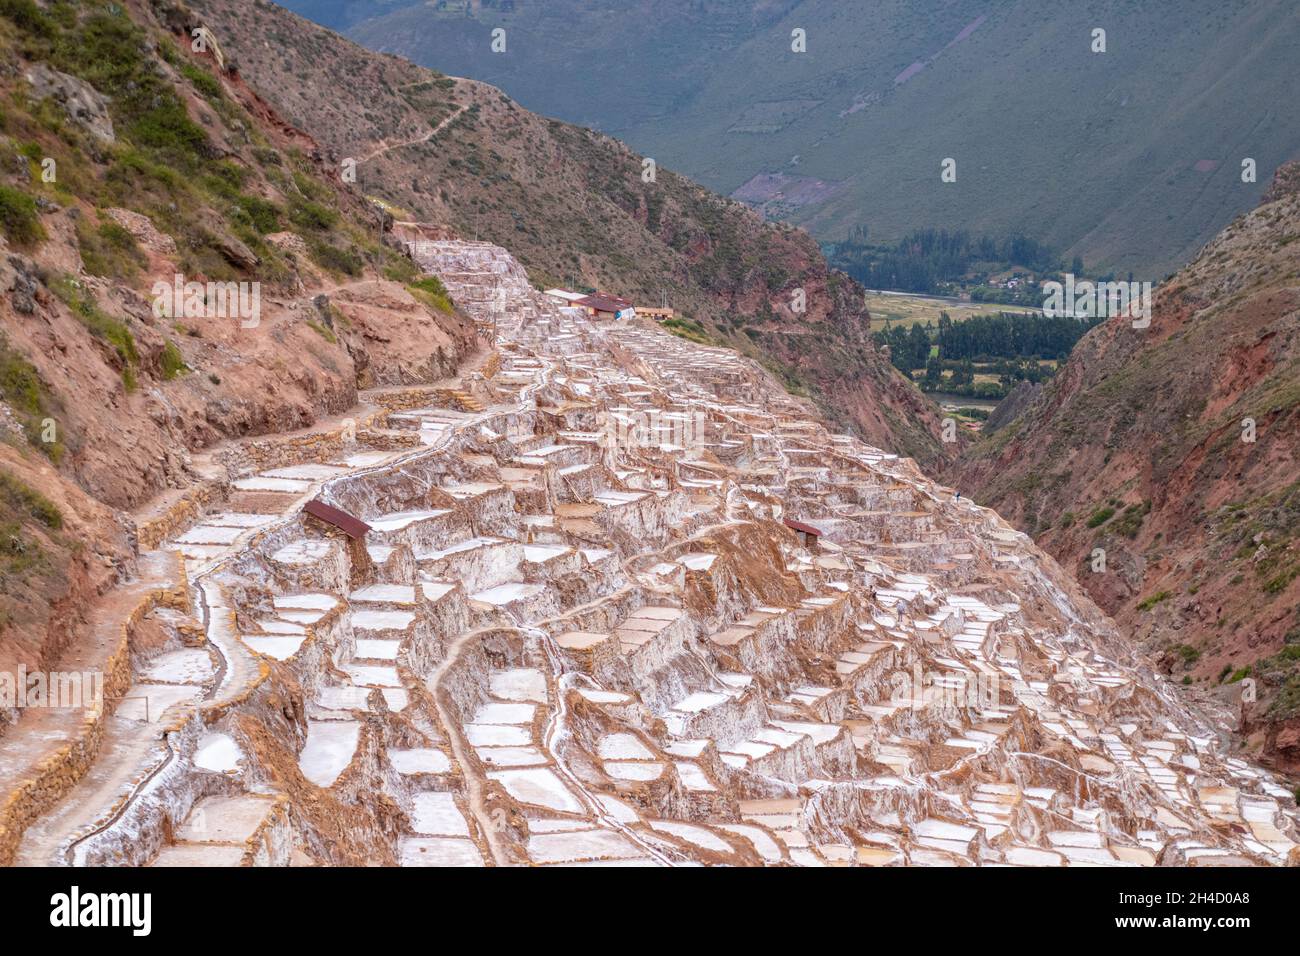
1204, 540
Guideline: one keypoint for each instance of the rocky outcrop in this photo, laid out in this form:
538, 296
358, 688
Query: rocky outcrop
84, 105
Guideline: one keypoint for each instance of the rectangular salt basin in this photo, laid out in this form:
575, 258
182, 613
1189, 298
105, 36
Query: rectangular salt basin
271, 626
469, 544
210, 534
580, 845
381, 620
260, 483
396, 698
217, 752
367, 459
493, 713
401, 519
623, 746
506, 593
510, 756
280, 648
497, 735
161, 697
699, 701
699, 836
385, 594
538, 553
470, 489
308, 472
306, 551
343, 698
377, 650
520, 684
538, 786
434, 813
301, 617
231, 819
438, 851
190, 665
419, 760
237, 519
436, 590
377, 676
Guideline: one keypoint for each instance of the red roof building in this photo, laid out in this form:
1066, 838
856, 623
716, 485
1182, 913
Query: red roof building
354, 528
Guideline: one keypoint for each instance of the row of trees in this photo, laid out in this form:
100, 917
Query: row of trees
983, 338
926, 260
1010, 335
1010, 345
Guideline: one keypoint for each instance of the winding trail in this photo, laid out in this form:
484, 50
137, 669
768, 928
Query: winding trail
447, 121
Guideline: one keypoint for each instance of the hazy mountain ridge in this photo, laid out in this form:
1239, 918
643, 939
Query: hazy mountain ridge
1084, 151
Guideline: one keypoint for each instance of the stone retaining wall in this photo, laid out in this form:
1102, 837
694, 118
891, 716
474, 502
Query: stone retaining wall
55, 776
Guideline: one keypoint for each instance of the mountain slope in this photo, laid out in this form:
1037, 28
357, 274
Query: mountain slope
133, 163
1084, 151
576, 208
1141, 446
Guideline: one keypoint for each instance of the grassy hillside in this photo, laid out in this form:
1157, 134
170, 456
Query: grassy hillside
132, 159
1130, 158
576, 207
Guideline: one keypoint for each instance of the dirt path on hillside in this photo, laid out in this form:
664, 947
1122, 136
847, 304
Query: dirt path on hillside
447, 121
41, 732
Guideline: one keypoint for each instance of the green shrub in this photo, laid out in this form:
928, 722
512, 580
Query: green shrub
1153, 600
310, 215
18, 497
324, 332
27, 17
172, 362
430, 290
336, 259
18, 217
1100, 517
263, 215
1281, 581
102, 326
111, 53
203, 81
23, 392
109, 251
134, 179
1130, 522
400, 269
